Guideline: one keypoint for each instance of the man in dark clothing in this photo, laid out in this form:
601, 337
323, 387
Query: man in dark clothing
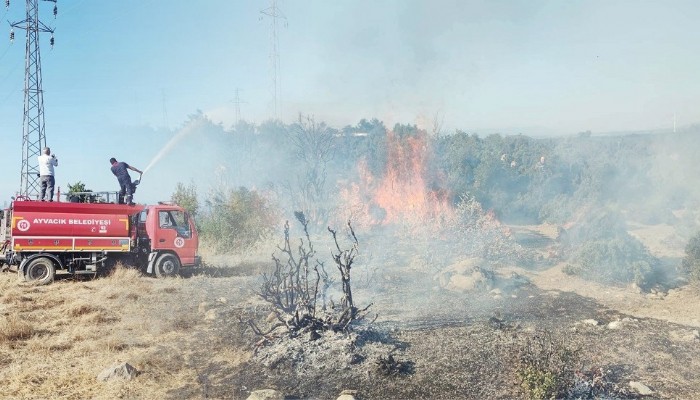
120, 169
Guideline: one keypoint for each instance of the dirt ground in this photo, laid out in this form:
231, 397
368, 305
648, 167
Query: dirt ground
189, 339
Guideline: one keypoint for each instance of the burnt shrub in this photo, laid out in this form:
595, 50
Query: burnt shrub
297, 286
691, 262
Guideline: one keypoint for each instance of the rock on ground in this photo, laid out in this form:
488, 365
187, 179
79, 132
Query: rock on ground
265, 394
348, 395
641, 388
118, 371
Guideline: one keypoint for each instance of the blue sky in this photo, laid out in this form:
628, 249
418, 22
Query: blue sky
536, 67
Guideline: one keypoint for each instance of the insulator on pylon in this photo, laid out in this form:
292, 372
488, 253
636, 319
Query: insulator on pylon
55, 10
52, 41
12, 35
7, 3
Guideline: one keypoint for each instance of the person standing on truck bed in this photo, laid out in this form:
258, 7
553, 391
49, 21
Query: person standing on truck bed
120, 169
46, 174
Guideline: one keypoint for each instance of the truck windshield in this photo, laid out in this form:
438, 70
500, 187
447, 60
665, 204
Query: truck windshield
174, 219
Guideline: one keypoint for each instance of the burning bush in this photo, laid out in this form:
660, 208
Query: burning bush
406, 191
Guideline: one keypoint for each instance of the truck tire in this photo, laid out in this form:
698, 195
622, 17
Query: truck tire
167, 265
40, 271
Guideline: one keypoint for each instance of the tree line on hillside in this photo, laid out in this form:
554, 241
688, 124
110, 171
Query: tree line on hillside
568, 181
520, 178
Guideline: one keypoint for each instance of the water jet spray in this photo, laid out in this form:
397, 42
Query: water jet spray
188, 129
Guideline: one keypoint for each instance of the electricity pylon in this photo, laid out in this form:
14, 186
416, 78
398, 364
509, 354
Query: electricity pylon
237, 102
33, 134
275, 13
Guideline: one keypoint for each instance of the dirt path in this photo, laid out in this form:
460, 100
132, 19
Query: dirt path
680, 305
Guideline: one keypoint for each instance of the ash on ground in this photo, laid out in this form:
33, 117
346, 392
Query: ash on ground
363, 352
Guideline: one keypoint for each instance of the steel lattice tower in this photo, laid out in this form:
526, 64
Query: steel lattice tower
274, 13
237, 102
33, 135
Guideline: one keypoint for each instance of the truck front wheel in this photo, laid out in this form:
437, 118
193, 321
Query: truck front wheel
40, 271
167, 265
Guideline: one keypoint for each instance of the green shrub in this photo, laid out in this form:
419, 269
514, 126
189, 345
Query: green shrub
537, 383
600, 248
186, 197
236, 220
691, 261
622, 259
546, 366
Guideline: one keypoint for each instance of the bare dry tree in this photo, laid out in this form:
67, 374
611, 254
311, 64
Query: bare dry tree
313, 144
438, 122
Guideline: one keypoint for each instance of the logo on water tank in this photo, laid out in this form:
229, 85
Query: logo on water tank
23, 225
179, 242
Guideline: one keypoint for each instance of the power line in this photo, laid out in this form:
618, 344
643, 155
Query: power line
275, 13
74, 6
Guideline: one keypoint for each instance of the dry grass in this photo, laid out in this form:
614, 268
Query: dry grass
15, 296
77, 310
56, 339
12, 328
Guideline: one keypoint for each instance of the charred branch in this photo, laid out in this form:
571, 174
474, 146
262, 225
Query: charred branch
298, 281
343, 260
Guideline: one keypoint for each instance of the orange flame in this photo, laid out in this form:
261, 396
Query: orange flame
402, 193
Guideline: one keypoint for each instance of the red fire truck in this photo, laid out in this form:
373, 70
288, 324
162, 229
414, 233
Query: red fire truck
87, 238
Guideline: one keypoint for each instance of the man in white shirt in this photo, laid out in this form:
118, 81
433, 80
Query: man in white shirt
46, 164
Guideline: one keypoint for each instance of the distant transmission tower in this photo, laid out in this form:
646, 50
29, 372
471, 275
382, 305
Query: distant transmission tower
33, 136
237, 103
275, 13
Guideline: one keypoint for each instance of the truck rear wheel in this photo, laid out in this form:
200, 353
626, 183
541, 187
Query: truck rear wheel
167, 265
40, 271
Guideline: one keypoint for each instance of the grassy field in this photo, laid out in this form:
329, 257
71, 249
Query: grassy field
188, 338
56, 339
